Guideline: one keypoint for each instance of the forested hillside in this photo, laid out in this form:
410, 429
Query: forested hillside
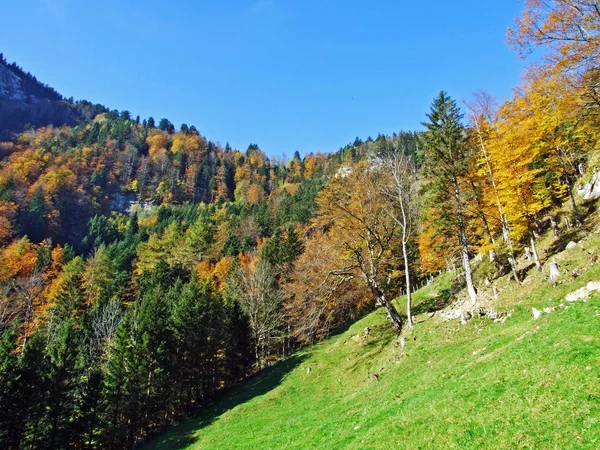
146, 269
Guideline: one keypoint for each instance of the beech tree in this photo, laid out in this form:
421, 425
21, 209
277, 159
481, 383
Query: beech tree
482, 119
364, 238
569, 31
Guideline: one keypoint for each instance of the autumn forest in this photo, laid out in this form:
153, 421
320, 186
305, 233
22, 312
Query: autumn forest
145, 269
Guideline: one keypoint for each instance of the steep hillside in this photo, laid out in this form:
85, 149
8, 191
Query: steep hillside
26, 101
513, 382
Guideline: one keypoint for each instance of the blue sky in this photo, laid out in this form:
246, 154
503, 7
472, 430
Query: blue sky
306, 75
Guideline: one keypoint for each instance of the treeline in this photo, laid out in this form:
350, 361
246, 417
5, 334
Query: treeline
143, 269
105, 375
124, 321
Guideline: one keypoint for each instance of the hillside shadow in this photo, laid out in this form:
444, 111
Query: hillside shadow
182, 435
437, 303
560, 243
522, 272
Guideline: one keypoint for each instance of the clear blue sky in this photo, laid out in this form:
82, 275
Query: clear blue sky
289, 75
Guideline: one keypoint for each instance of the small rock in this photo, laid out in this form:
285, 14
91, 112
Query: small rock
593, 286
588, 368
366, 333
549, 309
554, 272
308, 370
536, 313
465, 316
492, 313
571, 245
579, 294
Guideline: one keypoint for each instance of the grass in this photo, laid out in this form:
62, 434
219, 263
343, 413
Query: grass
524, 383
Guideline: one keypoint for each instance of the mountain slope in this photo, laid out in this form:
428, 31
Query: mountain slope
26, 101
521, 383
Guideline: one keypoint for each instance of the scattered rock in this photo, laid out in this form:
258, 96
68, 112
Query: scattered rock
492, 313
554, 272
575, 273
536, 313
593, 286
496, 292
366, 333
579, 294
451, 314
465, 316
571, 245
591, 189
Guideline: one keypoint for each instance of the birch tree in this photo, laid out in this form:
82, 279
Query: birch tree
402, 190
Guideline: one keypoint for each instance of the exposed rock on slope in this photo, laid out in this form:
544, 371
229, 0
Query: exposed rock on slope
26, 101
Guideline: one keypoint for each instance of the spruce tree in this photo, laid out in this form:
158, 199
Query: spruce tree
446, 161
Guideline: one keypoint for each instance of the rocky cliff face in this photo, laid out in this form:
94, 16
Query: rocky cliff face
26, 102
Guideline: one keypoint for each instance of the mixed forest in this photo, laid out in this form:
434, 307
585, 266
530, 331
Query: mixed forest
145, 269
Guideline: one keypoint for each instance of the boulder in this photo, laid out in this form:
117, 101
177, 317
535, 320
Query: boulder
593, 286
579, 294
591, 189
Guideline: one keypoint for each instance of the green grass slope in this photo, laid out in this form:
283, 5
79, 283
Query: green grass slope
523, 383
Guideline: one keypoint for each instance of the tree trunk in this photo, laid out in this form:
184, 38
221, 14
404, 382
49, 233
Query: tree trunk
409, 319
468, 274
462, 238
511, 253
536, 257
574, 203
392, 311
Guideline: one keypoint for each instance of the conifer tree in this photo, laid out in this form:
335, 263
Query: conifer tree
446, 162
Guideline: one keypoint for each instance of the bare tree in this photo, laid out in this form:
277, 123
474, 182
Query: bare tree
8, 307
27, 290
261, 298
403, 191
104, 324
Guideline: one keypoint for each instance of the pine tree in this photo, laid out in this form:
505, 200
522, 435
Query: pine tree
446, 162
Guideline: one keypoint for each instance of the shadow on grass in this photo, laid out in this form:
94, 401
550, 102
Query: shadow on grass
522, 273
561, 242
183, 434
437, 303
